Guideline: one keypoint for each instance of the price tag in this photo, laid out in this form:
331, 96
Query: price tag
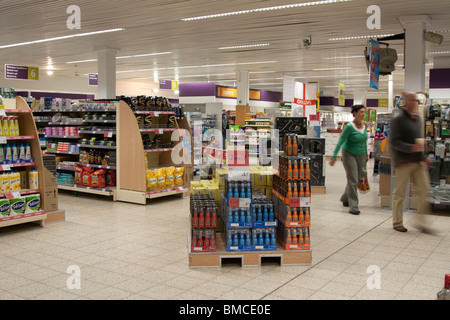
294, 202
244, 202
6, 167
233, 202
12, 195
2, 139
160, 131
156, 114
305, 202
2, 113
238, 173
108, 135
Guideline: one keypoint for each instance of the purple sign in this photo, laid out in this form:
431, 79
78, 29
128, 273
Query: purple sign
165, 84
93, 79
21, 72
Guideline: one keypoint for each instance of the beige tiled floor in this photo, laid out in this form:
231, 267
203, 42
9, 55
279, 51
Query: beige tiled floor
127, 251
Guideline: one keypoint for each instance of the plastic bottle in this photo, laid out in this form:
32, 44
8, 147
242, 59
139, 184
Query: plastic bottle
242, 190
255, 237
16, 127
236, 190
294, 237
249, 216
289, 146
236, 216
266, 213
229, 240
249, 190
242, 239
33, 179
273, 240
230, 215
248, 240
300, 239
267, 240
11, 126
301, 215
301, 192
14, 154
295, 171
206, 242
28, 157
200, 239
212, 241
5, 126
444, 294
295, 215
8, 154
2, 155
289, 237
22, 153
254, 216
295, 192
235, 239
230, 190
261, 238
289, 215
1, 126
289, 171
259, 217
15, 181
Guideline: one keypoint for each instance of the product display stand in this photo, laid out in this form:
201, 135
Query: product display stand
131, 178
67, 137
28, 133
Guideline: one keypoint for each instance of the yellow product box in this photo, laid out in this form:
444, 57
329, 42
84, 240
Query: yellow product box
221, 176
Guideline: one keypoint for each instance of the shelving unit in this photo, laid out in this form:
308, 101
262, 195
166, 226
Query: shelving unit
84, 130
28, 131
131, 166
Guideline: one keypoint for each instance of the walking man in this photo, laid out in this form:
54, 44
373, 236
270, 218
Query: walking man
410, 163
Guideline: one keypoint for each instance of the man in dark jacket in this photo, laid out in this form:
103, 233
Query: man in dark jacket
410, 163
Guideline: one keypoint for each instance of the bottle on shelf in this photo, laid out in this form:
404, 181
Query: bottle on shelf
33, 179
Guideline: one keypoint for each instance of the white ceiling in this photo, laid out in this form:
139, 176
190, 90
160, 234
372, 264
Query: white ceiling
155, 26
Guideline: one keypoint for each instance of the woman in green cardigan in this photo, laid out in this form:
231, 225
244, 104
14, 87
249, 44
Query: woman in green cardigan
353, 141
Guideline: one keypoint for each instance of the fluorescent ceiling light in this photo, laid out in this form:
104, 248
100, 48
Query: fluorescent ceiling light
362, 37
123, 57
246, 46
202, 66
144, 55
61, 38
327, 69
344, 57
439, 52
288, 6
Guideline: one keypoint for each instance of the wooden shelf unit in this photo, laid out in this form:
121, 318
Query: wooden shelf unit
131, 174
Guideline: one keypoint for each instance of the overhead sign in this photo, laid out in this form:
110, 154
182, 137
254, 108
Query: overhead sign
225, 92
93, 79
383, 103
21, 72
341, 93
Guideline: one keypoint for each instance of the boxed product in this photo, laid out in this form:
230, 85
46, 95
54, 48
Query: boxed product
4, 208
97, 179
179, 176
294, 238
17, 206
33, 203
238, 240
264, 239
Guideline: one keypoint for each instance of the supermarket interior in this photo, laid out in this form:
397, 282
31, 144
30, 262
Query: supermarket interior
218, 150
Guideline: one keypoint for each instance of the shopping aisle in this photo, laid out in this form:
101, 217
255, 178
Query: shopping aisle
127, 251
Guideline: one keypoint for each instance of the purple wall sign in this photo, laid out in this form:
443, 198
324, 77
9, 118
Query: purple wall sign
165, 84
93, 79
271, 96
202, 89
439, 78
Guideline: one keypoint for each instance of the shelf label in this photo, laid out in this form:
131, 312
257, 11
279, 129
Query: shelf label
244, 202
233, 202
238, 173
305, 202
12, 195
6, 167
2, 139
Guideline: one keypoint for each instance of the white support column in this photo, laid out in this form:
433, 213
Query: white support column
415, 48
390, 93
243, 87
106, 74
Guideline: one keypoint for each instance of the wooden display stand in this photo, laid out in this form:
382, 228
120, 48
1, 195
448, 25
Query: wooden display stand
28, 133
248, 258
131, 174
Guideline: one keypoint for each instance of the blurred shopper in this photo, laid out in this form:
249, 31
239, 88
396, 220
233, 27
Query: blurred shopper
410, 163
353, 141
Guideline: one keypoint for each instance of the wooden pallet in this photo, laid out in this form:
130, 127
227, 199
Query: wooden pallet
248, 258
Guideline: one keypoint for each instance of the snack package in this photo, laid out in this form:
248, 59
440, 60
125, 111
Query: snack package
78, 175
111, 178
152, 182
85, 176
161, 178
178, 175
97, 179
33, 203
170, 177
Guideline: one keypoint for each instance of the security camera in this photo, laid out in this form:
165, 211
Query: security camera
433, 37
307, 42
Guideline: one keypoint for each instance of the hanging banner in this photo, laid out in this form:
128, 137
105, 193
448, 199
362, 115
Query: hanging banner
342, 93
298, 107
374, 70
288, 88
